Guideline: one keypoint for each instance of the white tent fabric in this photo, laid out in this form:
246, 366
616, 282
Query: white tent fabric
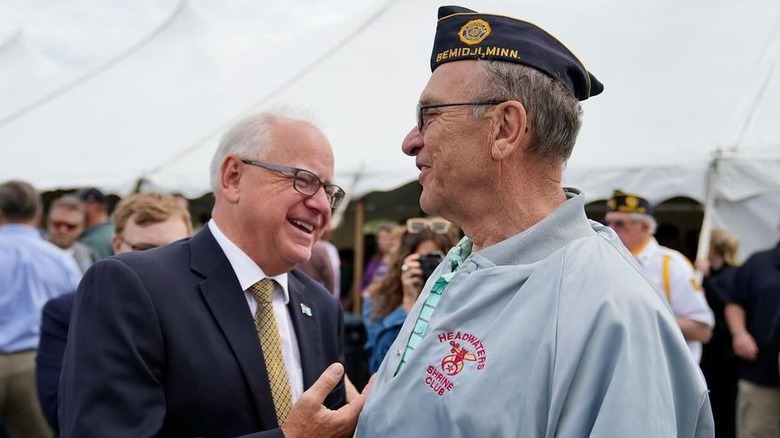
104, 92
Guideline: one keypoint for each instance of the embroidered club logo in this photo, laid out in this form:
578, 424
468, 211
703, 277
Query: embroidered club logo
474, 32
453, 364
466, 352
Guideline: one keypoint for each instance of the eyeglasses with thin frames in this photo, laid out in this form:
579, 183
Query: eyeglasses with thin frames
421, 108
305, 182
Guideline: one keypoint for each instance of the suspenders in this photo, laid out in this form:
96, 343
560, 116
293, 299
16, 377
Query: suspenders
665, 276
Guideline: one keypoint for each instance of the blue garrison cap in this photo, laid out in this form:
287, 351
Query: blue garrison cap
629, 203
465, 34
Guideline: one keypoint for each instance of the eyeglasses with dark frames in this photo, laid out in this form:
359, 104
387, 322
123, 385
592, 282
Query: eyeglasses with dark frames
305, 182
421, 108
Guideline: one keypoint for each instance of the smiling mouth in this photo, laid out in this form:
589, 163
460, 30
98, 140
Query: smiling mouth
303, 226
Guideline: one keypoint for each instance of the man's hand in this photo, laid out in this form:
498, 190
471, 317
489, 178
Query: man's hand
744, 345
352, 392
308, 417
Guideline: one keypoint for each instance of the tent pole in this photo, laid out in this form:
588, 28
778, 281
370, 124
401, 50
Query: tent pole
703, 249
357, 264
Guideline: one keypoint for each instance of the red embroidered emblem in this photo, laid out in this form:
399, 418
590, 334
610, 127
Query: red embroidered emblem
453, 364
464, 348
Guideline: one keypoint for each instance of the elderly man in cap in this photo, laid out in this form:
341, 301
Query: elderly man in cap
539, 322
631, 216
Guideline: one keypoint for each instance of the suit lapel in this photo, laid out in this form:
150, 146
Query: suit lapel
305, 320
223, 295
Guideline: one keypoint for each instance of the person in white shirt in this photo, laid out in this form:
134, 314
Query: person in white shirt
631, 216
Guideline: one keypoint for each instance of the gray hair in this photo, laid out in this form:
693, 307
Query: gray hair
554, 113
646, 218
251, 137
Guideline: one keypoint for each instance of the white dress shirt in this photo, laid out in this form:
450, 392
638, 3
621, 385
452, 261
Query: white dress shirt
248, 273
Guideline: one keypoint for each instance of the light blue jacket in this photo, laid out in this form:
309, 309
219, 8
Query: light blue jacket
554, 332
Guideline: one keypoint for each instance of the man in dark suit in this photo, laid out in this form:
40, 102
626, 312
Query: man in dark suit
164, 342
142, 221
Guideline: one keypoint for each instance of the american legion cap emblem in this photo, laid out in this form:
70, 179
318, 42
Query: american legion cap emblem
474, 32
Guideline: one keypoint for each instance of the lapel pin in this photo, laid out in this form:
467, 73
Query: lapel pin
306, 310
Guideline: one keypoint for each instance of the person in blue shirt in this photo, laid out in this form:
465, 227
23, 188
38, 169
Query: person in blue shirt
32, 271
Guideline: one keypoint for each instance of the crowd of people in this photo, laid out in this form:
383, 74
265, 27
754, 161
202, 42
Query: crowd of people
504, 312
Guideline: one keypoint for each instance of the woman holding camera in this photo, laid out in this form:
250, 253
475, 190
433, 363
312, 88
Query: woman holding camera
422, 247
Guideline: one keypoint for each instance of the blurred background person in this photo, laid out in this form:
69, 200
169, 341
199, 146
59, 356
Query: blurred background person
750, 316
377, 264
99, 228
335, 261
631, 217
143, 221
391, 297
320, 267
718, 362
65, 223
32, 271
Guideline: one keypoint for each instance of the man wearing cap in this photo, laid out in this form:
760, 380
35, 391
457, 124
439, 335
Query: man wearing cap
539, 322
631, 216
99, 230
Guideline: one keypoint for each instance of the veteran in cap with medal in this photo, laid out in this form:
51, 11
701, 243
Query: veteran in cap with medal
631, 216
539, 323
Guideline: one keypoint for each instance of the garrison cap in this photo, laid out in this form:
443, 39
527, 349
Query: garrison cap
629, 203
465, 34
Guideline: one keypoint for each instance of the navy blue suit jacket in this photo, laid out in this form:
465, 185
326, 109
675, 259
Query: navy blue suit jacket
55, 319
162, 343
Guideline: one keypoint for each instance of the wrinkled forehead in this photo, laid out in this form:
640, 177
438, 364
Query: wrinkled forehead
452, 81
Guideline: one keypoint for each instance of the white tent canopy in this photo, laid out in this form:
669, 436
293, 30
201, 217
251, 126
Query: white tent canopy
104, 92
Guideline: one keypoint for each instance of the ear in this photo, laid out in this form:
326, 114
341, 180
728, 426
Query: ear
231, 172
512, 131
116, 242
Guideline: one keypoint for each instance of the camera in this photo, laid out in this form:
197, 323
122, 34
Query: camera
429, 262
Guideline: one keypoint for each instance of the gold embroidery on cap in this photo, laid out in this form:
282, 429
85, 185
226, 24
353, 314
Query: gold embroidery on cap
474, 32
632, 202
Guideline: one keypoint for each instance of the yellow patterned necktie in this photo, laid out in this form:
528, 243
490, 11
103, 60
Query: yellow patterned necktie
268, 331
